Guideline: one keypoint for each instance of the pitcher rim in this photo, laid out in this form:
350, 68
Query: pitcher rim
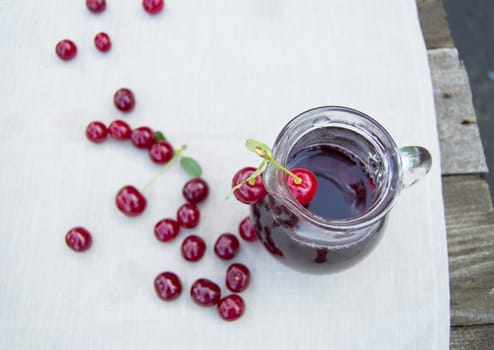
377, 211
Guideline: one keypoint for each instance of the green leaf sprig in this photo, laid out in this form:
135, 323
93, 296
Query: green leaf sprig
191, 166
188, 164
158, 136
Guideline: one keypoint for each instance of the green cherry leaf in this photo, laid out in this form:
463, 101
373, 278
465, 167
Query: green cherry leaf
191, 166
259, 148
158, 135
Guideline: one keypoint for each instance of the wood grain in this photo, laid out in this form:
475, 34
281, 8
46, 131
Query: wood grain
470, 222
472, 338
468, 207
461, 148
434, 24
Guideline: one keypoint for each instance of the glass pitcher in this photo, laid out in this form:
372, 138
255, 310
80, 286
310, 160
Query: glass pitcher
309, 241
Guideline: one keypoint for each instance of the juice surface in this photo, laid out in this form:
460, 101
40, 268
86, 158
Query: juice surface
344, 190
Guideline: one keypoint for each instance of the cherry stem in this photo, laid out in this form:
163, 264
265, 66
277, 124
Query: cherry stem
296, 178
176, 155
263, 151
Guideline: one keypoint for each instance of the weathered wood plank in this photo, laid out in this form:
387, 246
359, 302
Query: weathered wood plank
470, 222
461, 148
434, 24
472, 338
468, 208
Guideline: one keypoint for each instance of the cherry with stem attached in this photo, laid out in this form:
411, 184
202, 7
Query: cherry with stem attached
302, 183
130, 201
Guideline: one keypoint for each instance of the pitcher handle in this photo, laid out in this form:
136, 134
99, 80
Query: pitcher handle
416, 162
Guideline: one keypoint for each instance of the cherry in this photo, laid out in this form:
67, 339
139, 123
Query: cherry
161, 152
66, 49
119, 130
248, 193
188, 215
78, 239
231, 307
246, 230
205, 292
301, 182
130, 201
226, 246
142, 137
167, 286
96, 6
304, 191
195, 190
96, 132
153, 6
167, 229
193, 248
237, 277
102, 42
124, 100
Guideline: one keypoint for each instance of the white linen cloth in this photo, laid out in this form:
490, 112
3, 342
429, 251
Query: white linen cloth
209, 74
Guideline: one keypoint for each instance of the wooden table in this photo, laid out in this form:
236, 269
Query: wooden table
468, 208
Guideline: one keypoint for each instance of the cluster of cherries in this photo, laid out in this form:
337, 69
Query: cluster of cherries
203, 291
247, 187
66, 49
131, 202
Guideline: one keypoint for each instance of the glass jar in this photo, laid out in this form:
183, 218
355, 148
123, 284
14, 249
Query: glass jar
308, 241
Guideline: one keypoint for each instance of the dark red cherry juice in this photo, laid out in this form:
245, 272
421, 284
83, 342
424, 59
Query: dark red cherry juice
344, 188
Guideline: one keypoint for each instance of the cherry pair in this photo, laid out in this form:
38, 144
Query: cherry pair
66, 49
248, 186
252, 192
150, 6
206, 293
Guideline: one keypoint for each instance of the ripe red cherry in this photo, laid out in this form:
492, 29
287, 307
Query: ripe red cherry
153, 6
248, 193
246, 230
205, 292
124, 100
78, 239
305, 191
193, 248
142, 137
167, 229
130, 201
96, 132
167, 286
188, 215
195, 190
226, 246
66, 49
102, 42
119, 130
237, 277
161, 152
96, 6
231, 307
